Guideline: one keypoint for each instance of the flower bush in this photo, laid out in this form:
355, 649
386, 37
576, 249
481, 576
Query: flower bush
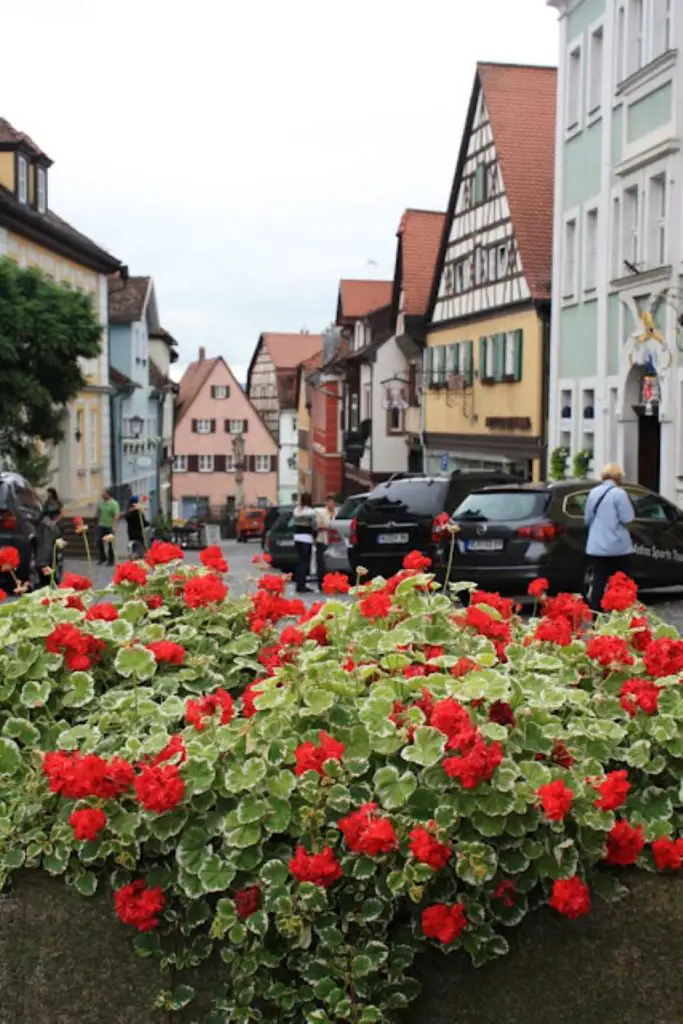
314, 795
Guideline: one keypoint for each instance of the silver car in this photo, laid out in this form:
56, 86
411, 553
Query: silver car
337, 550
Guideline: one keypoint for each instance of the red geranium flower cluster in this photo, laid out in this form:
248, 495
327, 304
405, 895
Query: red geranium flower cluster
311, 757
80, 650
291, 637
475, 765
212, 558
139, 906
321, 869
497, 630
570, 607
502, 714
639, 693
268, 606
554, 631
621, 593
641, 634
104, 612
463, 666
560, 756
668, 853
609, 651
367, 832
159, 787
451, 718
161, 552
74, 601
130, 572
87, 823
556, 799
167, 652
153, 601
538, 588
72, 581
196, 711
505, 891
444, 922
570, 897
376, 605
624, 844
251, 692
427, 849
335, 583
272, 583
9, 559
416, 562
664, 657
76, 776
201, 591
247, 901
613, 791
274, 657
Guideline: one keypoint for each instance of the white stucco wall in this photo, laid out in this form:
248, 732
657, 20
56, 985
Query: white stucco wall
390, 451
288, 477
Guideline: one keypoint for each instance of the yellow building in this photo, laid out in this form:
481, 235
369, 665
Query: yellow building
486, 362
33, 235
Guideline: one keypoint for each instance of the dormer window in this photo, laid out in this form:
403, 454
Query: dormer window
41, 190
22, 179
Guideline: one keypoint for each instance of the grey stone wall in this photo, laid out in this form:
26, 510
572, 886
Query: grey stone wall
66, 960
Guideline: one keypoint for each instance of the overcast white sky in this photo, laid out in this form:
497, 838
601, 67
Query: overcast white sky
248, 155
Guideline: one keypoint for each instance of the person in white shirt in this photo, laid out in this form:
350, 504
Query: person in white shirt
323, 519
304, 537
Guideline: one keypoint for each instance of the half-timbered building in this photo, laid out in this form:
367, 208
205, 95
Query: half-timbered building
486, 361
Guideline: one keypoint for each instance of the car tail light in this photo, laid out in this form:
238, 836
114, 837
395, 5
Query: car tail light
353, 534
333, 537
439, 528
8, 520
540, 531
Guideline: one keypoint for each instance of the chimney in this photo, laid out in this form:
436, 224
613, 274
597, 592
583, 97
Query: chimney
202, 353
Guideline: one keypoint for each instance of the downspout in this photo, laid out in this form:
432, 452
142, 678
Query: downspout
544, 314
423, 446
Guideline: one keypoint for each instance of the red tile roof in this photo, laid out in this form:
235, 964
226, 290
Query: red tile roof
358, 298
521, 104
127, 298
10, 135
290, 350
191, 383
420, 236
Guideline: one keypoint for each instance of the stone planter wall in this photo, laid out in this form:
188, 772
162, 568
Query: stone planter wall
65, 959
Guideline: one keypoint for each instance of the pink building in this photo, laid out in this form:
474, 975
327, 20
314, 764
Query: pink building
224, 455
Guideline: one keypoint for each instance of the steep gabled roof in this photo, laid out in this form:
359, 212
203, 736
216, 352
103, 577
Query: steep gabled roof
359, 298
127, 298
120, 381
10, 137
521, 104
192, 382
419, 237
290, 350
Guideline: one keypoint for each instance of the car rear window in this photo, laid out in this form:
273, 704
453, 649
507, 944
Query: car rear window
503, 506
5, 495
348, 509
281, 523
412, 498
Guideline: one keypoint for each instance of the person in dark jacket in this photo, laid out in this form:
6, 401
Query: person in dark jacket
137, 524
304, 539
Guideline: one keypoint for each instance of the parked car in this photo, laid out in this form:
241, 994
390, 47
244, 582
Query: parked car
338, 535
280, 542
20, 514
272, 515
250, 524
511, 535
404, 513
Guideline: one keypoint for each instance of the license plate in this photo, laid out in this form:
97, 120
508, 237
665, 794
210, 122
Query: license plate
483, 545
286, 543
392, 538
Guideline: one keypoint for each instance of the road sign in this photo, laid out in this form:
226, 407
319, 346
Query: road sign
444, 462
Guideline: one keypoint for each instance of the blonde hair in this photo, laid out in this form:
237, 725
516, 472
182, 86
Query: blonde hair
612, 471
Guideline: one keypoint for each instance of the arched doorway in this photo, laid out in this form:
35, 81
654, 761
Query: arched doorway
643, 433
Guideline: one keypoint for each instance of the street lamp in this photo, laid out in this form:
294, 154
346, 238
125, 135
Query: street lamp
136, 425
238, 457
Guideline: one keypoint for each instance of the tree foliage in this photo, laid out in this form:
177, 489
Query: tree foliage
46, 329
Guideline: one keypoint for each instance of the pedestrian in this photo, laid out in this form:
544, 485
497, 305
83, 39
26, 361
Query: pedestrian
323, 518
609, 547
304, 538
137, 524
108, 515
52, 506
268, 523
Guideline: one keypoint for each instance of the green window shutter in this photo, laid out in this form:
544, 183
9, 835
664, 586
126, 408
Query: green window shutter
468, 359
519, 344
482, 359
456, 358
498, 357
479, 178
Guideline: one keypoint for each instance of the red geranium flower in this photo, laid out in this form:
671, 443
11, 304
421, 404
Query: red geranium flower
247, 901
366, 832
427, 849
139, 906
639, 693
624, 844
609, 651
74, 601
554, 631
3, 597
76, 777
475, 766
561, 756
538, 588
9, 559
568, 606
272, 584
641, 634
621, 593
571, 897
248, 697
312, 757
161, 552
79, 650
336, 583
196, 711
321, 869
504, 892
375, 606
159, 787
72, 581
168, 652
556, 799
212, 558
174, 748
451, 718
416, 562
463, 666
668, 853
664, 657
130, 572
153, 601
502, 714
444, 922
88, 823
104, 612
204, 590
291, 637
613, 791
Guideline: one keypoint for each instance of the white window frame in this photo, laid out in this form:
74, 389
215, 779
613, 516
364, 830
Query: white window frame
631, 236
510, 355
180, 463
594, 89
41, 190
634, 61
399, 428
573, 125
205, 463
229, 463
591, 235
619, 43
657, 240
235, 426
570, 260
204, 426
220, 391
358, 335
615, 256
262, 464
661, 28
22, 179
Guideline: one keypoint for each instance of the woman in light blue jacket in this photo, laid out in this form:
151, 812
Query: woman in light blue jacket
609, 546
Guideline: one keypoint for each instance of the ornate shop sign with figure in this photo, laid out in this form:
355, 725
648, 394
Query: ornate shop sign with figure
648, 346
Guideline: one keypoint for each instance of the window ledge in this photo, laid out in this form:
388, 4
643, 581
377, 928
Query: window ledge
590, 294
571, 133
593, 116
648, 156
644, 278
663, 62
569, 300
